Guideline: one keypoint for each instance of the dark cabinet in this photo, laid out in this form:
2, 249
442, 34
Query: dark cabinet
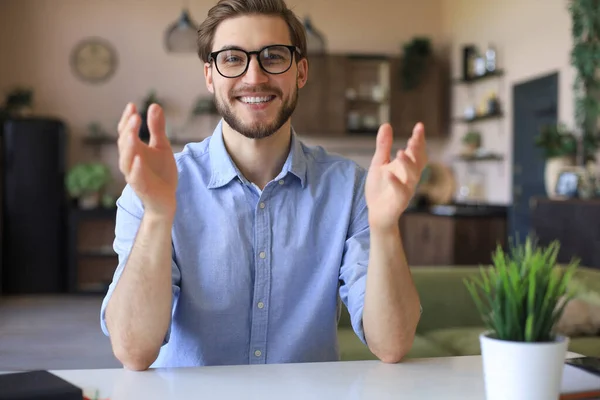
92, 260
33, 205
435, 240
574, 223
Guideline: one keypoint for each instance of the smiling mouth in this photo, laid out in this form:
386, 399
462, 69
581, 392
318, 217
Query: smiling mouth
255, 99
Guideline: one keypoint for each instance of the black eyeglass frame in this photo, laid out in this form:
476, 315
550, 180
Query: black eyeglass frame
293, 50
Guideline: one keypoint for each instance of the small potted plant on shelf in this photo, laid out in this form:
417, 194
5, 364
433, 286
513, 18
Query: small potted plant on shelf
520, 298
151, 98
85, 183
471, 143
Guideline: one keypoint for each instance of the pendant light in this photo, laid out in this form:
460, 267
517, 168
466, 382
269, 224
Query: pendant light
181, 35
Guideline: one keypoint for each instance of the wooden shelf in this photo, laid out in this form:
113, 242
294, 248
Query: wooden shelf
111, 140
479, 118
97, 253
365, 131
91, 258
495, 74
490, 157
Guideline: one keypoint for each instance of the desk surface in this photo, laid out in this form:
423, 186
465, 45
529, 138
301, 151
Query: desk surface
439, 378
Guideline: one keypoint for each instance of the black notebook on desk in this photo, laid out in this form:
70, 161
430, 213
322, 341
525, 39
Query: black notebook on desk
37, 385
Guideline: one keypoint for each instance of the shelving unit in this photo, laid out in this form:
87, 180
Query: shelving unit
473, 189
368, 93
91, 261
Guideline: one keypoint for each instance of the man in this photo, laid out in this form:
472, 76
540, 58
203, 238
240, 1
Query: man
235, 250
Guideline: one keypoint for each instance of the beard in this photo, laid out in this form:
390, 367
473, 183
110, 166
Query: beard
259, 129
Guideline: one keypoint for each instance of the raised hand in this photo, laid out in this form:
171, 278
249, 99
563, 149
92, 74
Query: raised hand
391, 184
149, 169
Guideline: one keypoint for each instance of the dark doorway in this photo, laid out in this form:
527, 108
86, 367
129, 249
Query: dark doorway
535, 104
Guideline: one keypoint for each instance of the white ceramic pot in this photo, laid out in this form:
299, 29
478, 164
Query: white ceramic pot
553, 167
522, 371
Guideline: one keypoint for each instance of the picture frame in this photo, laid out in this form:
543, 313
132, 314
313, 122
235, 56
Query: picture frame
570, 182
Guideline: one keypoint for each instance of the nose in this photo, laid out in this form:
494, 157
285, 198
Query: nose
255, 74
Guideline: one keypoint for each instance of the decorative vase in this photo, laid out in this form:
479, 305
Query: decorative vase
553, 167
522, 370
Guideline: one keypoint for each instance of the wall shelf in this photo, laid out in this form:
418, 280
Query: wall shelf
462, 81
112, 140
479, 118
475, 158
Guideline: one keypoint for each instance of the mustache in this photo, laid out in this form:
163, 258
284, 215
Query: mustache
255, 89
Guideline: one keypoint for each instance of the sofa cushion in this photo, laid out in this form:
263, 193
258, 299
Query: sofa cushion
460, 341
588, 346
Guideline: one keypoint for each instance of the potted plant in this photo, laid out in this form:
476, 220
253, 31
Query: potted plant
85, 183
520, 299
146, 103
19, 102
471, 142
559, 147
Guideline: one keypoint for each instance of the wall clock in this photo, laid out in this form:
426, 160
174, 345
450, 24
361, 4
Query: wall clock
94, 60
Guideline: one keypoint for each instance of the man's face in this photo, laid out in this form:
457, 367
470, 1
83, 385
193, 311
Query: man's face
255, 104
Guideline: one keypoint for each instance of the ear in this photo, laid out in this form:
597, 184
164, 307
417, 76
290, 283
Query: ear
208, 77
302, 72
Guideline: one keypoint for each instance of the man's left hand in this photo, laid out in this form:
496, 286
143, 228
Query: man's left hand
391, 184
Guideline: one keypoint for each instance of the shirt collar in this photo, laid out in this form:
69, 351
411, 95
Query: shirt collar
223, 169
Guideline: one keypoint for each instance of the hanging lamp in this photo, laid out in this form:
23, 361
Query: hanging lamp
181, 35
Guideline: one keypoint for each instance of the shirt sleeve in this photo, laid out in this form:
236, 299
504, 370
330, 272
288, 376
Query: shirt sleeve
129, 216
355, 260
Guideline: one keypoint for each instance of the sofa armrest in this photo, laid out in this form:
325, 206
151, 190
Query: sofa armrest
444, 297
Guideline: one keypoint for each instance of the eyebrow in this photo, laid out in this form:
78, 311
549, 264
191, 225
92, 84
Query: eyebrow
230, 47
233, 47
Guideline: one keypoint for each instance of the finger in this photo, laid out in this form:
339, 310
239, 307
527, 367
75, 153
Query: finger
134, 177
129, 145
156, 126
132, 125
416, 149
127, 112
383, 145
405, 169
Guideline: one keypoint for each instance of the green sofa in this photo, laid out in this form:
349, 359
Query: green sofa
450, 324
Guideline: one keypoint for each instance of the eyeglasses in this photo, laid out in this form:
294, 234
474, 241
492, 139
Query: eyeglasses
233, 62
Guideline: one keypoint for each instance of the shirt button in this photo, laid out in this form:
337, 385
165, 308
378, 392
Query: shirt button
262, 205
257, 353
281, 181
262, 254
261, 304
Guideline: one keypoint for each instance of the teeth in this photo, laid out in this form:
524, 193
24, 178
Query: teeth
255, 99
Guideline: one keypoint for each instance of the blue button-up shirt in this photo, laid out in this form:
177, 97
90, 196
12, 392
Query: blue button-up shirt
258, 275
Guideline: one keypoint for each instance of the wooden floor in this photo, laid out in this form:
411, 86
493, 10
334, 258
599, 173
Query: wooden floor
52, 332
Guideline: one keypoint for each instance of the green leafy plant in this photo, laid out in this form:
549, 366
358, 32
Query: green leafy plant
556, 141
585, 31
204, 106
87, 178
18, 101
416, 54
472, 138
522, 295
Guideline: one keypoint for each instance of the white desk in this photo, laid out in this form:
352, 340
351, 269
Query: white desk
423, 379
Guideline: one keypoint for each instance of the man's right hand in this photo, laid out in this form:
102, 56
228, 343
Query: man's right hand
149, 169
